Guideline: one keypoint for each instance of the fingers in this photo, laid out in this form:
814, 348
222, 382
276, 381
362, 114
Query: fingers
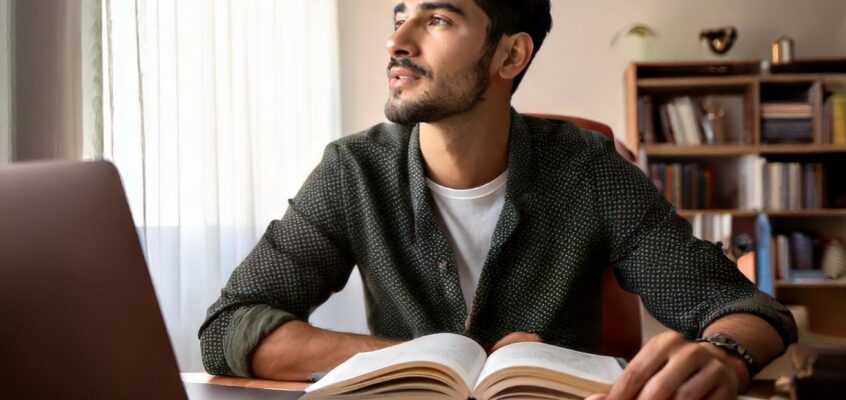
598, 396
648, 361
671, 367
706, 380
515, 337
683, 363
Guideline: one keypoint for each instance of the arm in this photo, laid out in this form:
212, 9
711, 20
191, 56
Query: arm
297, 264
758, 336
687, 284
296, 349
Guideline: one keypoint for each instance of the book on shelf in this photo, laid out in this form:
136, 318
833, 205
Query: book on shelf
794, 186
686, 186
691, 121
715, 228
763, 271
750, 190
451, 366
646, 128
835, 119
796, 255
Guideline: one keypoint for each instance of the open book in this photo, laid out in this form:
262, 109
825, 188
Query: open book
451, 366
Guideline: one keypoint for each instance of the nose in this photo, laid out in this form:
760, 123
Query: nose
402, 42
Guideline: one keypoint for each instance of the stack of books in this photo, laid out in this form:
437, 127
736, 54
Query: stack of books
787, 122
686, 186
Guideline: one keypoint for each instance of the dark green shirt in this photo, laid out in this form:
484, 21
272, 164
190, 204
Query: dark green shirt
573, 206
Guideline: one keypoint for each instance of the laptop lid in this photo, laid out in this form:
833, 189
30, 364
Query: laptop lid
78, 313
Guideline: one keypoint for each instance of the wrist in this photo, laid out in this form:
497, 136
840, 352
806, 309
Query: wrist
733, 355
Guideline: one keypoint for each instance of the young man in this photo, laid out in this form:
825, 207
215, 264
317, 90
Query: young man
464, 216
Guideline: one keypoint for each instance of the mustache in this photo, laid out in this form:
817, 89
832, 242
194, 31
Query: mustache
407, 64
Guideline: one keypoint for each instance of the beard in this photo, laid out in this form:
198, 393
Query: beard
447, 95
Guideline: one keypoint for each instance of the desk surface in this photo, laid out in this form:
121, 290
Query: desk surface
202, 386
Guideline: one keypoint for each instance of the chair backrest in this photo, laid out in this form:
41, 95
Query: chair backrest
592, 125
621, 331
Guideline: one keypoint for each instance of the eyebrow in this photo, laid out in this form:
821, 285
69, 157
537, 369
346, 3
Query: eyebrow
429, 6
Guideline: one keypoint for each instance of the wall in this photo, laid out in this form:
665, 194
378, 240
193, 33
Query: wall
47, 90
577, 71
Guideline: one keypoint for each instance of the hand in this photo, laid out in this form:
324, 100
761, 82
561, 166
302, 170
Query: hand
669, 367
515, 337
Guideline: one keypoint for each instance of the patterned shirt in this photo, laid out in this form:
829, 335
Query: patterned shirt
573, 207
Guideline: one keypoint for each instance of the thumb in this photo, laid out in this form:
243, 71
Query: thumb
597, 396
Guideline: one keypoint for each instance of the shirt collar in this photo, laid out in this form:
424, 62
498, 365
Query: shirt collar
520, 167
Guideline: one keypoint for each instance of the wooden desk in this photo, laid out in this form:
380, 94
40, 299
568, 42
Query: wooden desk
202, 386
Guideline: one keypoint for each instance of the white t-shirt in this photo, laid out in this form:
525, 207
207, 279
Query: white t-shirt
468, 218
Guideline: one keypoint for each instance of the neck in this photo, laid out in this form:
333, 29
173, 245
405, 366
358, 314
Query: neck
469, 149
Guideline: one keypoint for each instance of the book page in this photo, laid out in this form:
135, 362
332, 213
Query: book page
459, 353
583, 365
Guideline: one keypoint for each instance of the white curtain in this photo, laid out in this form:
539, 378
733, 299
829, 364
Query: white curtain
5, 82
215, 113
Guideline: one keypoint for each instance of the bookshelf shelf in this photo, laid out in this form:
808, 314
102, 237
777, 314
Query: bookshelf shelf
730, 211
740, 213
725, 142
659, 83
830, 212
721, 150
811, 284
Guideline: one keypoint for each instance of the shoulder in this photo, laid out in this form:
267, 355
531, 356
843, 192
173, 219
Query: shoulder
383, 136
379, 152
557, 142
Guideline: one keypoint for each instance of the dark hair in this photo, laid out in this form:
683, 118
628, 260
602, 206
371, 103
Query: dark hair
513, 16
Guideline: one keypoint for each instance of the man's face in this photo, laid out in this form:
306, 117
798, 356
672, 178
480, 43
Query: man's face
439, 60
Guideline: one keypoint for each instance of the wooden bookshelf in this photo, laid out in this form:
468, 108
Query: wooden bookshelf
758, 121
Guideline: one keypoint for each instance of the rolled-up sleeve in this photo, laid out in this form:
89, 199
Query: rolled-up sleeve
297, 264
685, 282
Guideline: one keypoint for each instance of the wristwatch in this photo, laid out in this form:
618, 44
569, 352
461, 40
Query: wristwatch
730, 345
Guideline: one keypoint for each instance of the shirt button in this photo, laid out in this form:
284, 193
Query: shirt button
442, 264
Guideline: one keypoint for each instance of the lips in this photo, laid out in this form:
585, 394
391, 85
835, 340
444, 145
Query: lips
401, 76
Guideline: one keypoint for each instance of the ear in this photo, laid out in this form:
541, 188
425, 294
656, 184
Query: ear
518, 50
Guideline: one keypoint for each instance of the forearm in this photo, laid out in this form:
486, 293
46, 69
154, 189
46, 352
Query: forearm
296, 349
756, 334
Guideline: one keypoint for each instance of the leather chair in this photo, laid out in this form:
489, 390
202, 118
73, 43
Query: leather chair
621, 330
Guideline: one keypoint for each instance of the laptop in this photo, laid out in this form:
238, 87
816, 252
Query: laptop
79, 317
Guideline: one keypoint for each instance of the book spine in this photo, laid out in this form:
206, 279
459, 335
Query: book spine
762, 255
668, 183
838, 116
687, 171
758, 183
666, 126
820, 186
677, 185
794, 187
708, 177
676, 125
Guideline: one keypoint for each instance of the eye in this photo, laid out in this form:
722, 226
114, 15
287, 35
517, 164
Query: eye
398, 23
439, 21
